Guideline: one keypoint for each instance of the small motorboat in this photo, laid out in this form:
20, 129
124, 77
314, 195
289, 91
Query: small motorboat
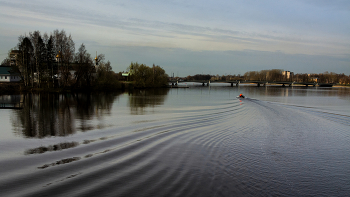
241, 96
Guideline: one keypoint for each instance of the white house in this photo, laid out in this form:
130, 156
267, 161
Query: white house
7, 76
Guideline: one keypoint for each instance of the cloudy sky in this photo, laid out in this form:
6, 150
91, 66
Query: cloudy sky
189, 37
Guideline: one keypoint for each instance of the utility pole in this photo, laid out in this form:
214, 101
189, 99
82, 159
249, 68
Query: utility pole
153, 72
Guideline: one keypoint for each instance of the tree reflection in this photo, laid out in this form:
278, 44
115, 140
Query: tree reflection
141, 98
53, 114
56, 147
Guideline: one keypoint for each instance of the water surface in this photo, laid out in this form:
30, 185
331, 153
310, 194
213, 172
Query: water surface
197, 141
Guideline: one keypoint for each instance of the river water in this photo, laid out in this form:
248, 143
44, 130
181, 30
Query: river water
196, 141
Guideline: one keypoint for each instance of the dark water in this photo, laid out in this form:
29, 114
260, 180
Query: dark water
197, 141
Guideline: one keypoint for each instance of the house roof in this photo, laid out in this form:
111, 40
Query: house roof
125, 74
4, 70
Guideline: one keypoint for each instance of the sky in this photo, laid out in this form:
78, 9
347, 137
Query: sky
217, 37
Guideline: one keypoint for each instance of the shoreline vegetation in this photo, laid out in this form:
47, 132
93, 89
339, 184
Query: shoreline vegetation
18, 88
50, 63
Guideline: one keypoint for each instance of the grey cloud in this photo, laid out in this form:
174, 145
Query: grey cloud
139, 26
335, 4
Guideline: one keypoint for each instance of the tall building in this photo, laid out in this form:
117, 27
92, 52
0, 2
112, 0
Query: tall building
13, 57
287, 75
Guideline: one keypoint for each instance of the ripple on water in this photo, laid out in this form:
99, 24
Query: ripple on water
248, 148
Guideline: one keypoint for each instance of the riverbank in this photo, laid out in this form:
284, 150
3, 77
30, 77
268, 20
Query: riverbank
341, 86
10, 88
16, 88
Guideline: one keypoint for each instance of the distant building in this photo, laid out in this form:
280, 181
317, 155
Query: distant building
13, 57
287, 75
315, 79
126, 76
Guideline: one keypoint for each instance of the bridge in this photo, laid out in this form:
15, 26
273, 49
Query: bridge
258, 83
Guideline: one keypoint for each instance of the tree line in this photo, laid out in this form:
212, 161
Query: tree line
146, 77
276, 75
50, 61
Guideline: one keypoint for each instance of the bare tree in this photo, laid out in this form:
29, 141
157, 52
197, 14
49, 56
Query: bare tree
50, 56
84, 67
39, 55
24, 60
6, 62
65, 46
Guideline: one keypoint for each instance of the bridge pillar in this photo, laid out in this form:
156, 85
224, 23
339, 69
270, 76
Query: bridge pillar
203, 84
258, 84
283, 85
231, 84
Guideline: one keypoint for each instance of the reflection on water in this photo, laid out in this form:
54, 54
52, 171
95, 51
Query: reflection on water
10, 98
53, 114
295, 91
48, 114
60, 162
199, 141
140, 99
56, 147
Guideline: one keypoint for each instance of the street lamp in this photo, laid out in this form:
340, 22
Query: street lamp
96, 59
58, 59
